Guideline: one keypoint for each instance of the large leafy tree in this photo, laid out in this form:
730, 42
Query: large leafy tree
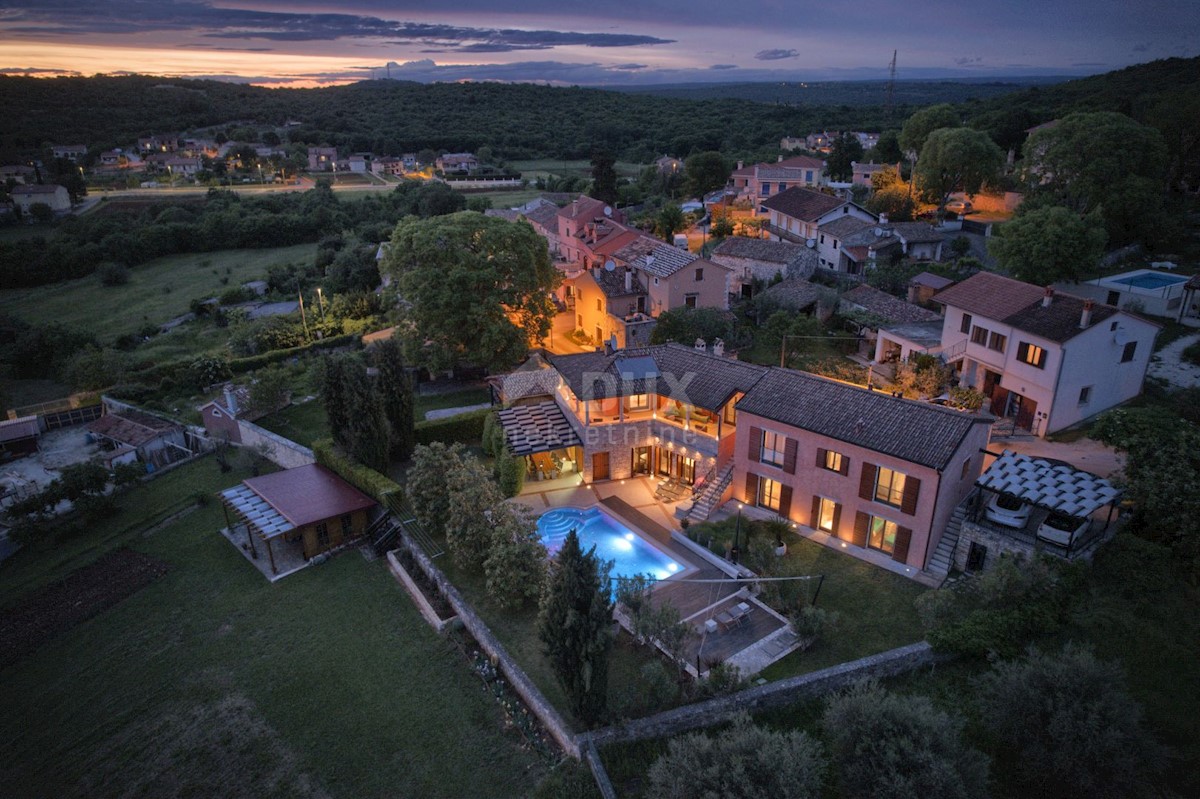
669, 220
425, 484
917, 127
478, 288
1049, 244
515, 562
685, 325
471, 496
1101, 160
956, 159
575, 626
705, 172
1064, 726
900, 747
744, 762
396, 395
604, 177
845, 151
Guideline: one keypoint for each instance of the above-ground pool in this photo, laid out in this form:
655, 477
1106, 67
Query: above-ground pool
1149, 280
630, 553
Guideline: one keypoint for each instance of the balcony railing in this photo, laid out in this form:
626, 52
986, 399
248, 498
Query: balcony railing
784, 234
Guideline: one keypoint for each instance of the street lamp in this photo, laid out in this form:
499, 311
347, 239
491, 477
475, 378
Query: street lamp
737, 534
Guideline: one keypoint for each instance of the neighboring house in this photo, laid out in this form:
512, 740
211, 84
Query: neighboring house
187, 167
923, 286
220, 416
158, 144
19, 437
881, 474
883, 311
758, 259
797, 295
668, 164
820, 142
359, 163
862, 173
457, 162
21, 173
1046, 359
757, 182
796, 214
675, 278
867, 140
388, 166
155, 441
57, 197
576, 222
113, 159
322, 159
409, 160
853, 245
71, 152
792, 143
309, 505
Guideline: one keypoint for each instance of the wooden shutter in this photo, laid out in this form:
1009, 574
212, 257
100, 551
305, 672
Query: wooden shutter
750, 497
785, 501
754, 451
845, 465
866, 484
912, 491
820, 458
837, 517
789, 455
903, 538
815, 521
862, 522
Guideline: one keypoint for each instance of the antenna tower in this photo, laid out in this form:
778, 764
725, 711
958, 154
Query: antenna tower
890, 102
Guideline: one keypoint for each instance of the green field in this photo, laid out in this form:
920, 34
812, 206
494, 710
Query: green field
545, 167
156, 292
213, 682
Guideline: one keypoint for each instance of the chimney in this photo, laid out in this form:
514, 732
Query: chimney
1085, 318
883, 219
1048, 296
741, 164
780, 159
912, 293
596, 271
628, 279
719, 348
612, 343
231, 399
700, 345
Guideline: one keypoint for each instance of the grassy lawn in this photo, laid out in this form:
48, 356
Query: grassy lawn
303, 423
507, 199
546, 167
213, 682
454, 399
19, 393
157, 291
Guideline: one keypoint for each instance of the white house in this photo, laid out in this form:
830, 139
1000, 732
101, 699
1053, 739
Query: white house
56, 197
796, 214
1046, 359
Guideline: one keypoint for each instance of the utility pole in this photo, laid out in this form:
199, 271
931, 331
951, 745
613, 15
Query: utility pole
890, 101
303, 319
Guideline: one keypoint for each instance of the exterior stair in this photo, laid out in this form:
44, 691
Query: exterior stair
710, 495
943, 557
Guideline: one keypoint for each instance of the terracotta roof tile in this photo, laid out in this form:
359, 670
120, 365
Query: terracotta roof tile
803, 204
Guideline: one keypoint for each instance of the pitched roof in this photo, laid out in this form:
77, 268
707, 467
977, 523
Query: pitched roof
613, 283
655, 258
684, 374
913, 431
17, 429
916, 232
794, 163
930, 280
308, 494
519, 385
583, 207
777, 252
845, 226
794, 294
543, 215
803, 204
1019, 305
890, 308
131, 427
37, 189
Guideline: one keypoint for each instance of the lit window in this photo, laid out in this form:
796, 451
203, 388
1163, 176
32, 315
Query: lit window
826, 515
1031, 354
772, 448
889, 487
882, 535
637, 402
833, 461
769, 492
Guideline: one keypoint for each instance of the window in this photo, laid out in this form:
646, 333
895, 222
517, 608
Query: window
322, 535
835, 244
1031, 354
1085, 395
833, 461
347, 525
598, 305
772, 448
690, 300
656, 281
966, 468
783, 187
882, 535
996, 342
808, 176
979, 335
822, 238
1127, 353
965, 327
637, 402
827, 515
766, 189
769, 492
889, 487
1113, 326
699, 275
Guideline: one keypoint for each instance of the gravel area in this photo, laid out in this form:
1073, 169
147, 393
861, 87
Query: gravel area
1168, 364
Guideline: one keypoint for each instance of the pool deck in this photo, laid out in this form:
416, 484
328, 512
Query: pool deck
760, 639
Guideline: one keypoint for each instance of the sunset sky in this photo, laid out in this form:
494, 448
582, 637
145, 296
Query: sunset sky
589, 43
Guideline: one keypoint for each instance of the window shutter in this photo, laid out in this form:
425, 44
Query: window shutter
903, 538
862, 523
815, 520
845, 465
820, 458
751, 494
754, 450
785, 501
1023, 351
866, 484
837, 517
912, 490
789, 455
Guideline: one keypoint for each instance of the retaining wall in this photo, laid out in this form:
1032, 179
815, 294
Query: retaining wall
283, 452
418, 596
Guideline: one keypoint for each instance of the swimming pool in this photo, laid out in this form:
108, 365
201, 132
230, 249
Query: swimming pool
1149, 280
630, 553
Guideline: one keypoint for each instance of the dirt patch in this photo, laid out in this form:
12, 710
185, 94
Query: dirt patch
80, 595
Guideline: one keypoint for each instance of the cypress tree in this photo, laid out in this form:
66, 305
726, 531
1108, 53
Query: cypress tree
396, 395
335, 400
367, 435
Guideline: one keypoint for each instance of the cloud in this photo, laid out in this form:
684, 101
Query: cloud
724, 66
36, 71
1090, 64
775, 55
967, 61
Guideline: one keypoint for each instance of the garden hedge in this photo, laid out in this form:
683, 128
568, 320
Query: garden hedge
465, 428
380, 486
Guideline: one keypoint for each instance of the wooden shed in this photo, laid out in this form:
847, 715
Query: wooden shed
309, 505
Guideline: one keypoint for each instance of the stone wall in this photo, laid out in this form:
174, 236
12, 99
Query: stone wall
281, 451
996, 543
418, 596
763, 697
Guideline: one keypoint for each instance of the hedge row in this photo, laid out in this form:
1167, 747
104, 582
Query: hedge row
180, 371
465, 428
380, 486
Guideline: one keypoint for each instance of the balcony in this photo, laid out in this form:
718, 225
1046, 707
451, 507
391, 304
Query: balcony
783, 234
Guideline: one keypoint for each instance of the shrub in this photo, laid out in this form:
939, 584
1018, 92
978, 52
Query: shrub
113, 274
370, 482
810, 623
510, 473
465, 428
965, 398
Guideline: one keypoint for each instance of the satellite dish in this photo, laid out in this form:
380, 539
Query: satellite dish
878, 232
811, 243
609, 265
608, 210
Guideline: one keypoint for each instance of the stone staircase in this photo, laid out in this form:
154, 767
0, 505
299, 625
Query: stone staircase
943, 557
710, 495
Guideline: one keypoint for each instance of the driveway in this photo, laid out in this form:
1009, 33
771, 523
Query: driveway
1168, 364
1086, 454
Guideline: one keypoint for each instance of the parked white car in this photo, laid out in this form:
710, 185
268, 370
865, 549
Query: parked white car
960, 207
1058, 528
1008, 510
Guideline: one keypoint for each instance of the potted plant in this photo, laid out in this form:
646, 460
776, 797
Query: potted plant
777, 527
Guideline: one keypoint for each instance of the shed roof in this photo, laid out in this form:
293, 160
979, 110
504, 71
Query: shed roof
17, 429
882, 304
307, 494
132, 427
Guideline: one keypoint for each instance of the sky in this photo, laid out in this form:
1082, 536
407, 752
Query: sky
573, 42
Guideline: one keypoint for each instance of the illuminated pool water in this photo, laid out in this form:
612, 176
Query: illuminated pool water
1150, 280
630, 553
